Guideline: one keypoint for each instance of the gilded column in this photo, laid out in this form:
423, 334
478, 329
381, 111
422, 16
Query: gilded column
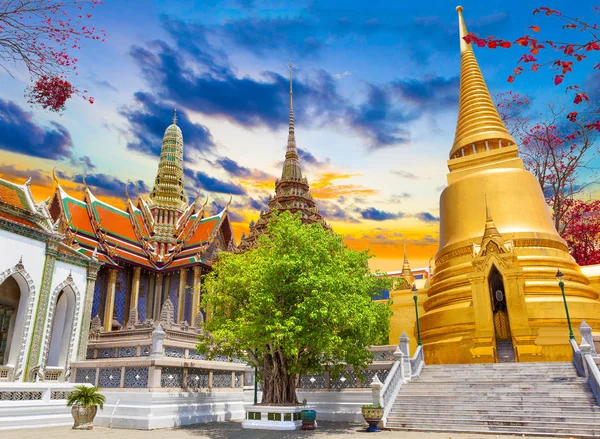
157, 294
135, 292
40, 319
109, 309
92, 274
196, 295
181, 297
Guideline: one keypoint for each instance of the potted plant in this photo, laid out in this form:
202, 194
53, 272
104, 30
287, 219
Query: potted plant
373, 415
309, 418
84, 402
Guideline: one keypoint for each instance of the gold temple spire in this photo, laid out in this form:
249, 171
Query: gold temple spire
479, 127
490, 227
406, 271
291, 166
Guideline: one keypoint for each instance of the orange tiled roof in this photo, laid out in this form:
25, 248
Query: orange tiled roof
14, 195
203, 231
16, 219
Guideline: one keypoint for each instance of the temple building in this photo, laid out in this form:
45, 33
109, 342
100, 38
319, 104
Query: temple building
153, 253
493, 294
292, 192
46, 290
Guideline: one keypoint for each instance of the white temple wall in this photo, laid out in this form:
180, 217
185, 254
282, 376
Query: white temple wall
32, 253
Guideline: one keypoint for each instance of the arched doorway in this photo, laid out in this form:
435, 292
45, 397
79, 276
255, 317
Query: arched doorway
504, 345
62, 327
10, 296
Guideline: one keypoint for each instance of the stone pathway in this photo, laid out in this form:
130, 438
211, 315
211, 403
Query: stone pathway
233, 430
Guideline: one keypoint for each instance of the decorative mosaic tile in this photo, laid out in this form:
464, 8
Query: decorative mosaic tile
121, 296
189, 296
129, 351
106, 353
238, 379
60, 394
173, 290
143, 296
171, 377
346, 380
19, 396
221, 378
370, 374
145, 351
110, 377
86, 375
194, 355
98, 288
174, 352
197, 378
89, 354
136, 377
314, 381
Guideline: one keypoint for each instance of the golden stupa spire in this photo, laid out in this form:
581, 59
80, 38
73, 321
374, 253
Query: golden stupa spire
406, 271
291, 166
490, 227
479, 127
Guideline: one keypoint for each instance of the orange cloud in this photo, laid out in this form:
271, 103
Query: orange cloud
323, 187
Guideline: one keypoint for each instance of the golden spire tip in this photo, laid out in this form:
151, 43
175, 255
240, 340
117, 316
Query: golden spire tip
174, 116
459, 9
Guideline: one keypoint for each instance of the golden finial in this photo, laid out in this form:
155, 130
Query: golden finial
464, 46
174, 116
205, 202
479, 127
229, 202
127, 191
84, 182
291, 77
54, 174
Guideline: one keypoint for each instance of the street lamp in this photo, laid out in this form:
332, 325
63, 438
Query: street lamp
561, 284
255, 386
415, 297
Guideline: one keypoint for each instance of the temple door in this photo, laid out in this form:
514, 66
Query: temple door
504, 345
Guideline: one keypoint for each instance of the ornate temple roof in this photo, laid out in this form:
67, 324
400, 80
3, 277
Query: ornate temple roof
292, 192
158, 232
17, 205
479, 126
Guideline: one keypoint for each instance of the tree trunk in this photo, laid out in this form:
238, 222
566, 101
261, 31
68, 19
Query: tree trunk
278, 386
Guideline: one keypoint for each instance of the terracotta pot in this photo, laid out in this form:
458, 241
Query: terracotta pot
83, 417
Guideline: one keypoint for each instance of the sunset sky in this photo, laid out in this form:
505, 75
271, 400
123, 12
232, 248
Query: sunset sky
375, 94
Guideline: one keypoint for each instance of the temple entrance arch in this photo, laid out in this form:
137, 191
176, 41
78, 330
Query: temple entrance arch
62, 328
502, 334
10, 295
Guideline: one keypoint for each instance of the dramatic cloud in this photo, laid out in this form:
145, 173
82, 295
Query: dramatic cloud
397, 198
307, 158
333, 212
379, 121
84, 162
38, 177
234, 169
426, 217
21, 134
201, 180
374, 214
431, 93
148, 120
107, 185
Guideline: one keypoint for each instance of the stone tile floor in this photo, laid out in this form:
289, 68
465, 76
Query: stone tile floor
233, 430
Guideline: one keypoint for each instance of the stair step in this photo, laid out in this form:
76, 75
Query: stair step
491, 417
410, 407
590, 433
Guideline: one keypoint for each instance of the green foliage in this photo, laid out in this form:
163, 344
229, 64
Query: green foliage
301, 294
372, 406
87, 397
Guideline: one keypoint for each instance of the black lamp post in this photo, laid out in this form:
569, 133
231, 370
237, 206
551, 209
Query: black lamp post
415, 297
255, 386
561, 284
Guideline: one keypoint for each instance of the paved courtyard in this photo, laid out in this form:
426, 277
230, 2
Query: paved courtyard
233, 430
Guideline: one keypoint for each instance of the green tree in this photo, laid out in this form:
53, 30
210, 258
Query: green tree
298, 303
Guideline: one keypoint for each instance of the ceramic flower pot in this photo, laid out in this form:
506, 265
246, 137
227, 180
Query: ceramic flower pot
308, 419
83, 417
373, 416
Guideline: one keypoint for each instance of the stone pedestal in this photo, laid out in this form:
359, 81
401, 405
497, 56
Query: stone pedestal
264, 417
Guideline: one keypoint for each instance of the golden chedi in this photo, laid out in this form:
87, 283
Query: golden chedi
493, 295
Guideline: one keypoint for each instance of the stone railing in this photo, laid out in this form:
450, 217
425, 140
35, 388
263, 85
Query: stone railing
383, 358
584, 359
404, 369
156, 365
42, 392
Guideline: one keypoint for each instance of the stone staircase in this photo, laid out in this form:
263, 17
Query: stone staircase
538, 399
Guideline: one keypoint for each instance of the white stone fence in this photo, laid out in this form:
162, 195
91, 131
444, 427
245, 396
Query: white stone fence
585, 357
404, 369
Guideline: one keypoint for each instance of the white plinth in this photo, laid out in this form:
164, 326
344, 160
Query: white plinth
265, 417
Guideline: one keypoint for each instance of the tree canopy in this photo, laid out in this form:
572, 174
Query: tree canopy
299, 302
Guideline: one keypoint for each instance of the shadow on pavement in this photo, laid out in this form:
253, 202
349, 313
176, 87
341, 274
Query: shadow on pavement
234, 430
